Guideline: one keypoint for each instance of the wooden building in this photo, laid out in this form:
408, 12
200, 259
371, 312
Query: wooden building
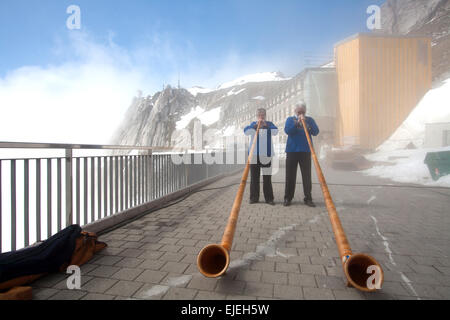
381, 79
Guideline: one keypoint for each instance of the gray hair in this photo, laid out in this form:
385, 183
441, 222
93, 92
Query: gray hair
301, 104
261, 110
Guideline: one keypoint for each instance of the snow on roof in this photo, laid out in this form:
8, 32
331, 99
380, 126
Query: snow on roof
256, 77
329, 65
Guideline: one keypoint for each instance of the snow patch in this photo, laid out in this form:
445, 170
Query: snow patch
207, 118
257, 77
261, 98
235, 93
406, 166
196, 90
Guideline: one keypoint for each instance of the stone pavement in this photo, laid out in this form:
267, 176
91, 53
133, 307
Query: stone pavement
278, 252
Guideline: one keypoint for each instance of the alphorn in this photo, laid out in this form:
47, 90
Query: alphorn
214, 259
357, 267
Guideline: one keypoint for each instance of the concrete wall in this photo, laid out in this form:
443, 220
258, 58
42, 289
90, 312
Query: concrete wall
437, 135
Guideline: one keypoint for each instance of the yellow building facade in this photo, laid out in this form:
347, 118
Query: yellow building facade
380, 81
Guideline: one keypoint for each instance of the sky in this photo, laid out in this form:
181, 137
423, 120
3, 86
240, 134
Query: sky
74, 85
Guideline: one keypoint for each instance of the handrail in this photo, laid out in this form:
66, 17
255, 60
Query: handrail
40, 145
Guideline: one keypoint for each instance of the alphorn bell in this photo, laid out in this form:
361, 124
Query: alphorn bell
356, 266
214, 259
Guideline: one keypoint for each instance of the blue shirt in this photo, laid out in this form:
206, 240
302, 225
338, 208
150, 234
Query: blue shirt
266, 144
297, 141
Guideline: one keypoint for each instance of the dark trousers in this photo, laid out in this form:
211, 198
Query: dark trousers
292, 160
255, 173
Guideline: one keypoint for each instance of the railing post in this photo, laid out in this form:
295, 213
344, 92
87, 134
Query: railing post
150, 176
69, 187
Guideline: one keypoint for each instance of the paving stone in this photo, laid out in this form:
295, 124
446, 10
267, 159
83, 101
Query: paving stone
259, 289
230, 286
329, 282
104, 271
131, 253
97, 296
347, 295
444, 270
425, 269
239, 297
132, 245
186, 242
151, 276
287, 267
249, 275
208, 295
304, 280
263, 265
87, 267
426, 291
312, 269
151, 292
134, 238
43, 293
111, 251
202, 283
49, 280
108, 260
68, 295
318, 294
443, 291
151, 264
124, 288
180, 294
63, 284
274, 277
127, 274
170, 256
288, 292
129, 262
98, 285
189, 250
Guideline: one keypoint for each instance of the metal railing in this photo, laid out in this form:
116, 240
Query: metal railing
40, 196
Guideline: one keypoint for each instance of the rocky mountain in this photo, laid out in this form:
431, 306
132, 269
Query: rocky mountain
422, 17
151, 121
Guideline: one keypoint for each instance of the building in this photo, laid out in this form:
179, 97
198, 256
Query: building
380, 81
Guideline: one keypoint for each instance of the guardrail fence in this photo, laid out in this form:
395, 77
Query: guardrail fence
41, 196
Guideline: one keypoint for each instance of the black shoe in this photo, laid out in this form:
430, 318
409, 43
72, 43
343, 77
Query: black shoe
253, 201
287, 203
271, 202
310, 203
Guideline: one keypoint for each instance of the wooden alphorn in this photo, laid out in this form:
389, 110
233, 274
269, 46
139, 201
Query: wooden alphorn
214, 259
357, 267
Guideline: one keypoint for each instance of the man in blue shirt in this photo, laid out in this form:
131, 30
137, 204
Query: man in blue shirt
264, 154
298, 153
